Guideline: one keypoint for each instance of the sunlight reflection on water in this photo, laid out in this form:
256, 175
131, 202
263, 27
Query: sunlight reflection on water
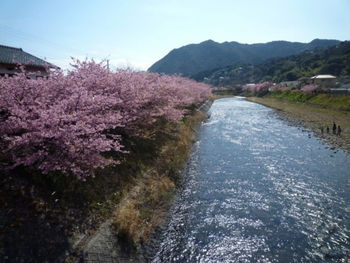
259, 190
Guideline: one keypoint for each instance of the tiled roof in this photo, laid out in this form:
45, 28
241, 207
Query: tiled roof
11, 55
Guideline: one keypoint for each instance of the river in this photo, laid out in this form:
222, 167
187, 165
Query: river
258, 189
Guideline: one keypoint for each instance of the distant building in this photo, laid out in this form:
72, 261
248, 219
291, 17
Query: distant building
304, 81
279, 88
342, 86
290, 84
324, 81
11, 58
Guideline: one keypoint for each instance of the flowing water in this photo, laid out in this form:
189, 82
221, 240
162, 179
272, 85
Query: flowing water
259, 190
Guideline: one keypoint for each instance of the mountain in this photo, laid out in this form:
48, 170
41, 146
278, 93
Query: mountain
333, 60
194, 58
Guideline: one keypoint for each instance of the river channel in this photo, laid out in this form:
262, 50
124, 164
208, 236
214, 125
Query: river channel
258, 189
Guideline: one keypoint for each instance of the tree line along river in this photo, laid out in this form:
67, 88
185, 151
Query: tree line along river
257, 189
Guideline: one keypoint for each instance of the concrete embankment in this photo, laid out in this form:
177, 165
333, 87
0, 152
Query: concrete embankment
313, 117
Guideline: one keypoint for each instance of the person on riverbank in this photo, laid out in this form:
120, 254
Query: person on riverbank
334, 128
339, 130
327, 129
321, 130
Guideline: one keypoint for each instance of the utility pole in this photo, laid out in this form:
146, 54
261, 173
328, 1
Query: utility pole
108, 65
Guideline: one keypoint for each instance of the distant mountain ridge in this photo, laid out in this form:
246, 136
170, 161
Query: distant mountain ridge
194, 58
334, 60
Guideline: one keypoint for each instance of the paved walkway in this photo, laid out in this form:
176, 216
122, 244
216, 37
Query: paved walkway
105, 248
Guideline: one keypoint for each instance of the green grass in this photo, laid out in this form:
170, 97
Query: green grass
338, 102
331, 101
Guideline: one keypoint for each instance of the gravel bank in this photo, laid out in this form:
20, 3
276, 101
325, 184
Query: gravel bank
314, 118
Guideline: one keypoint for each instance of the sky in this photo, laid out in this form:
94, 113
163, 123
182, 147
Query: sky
137, 33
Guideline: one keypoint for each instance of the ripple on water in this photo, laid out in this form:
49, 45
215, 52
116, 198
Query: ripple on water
259, 190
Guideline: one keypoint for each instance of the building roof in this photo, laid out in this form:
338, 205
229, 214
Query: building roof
12, 55
324, 77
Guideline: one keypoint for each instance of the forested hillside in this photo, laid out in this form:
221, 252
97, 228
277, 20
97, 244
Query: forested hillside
334, 60
192, 59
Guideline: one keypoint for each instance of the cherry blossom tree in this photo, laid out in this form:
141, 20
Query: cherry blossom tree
67, 121
309, 88
257, 88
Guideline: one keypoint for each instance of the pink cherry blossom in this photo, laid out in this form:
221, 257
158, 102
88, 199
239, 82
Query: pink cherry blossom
65, 122
256, 88
309, 88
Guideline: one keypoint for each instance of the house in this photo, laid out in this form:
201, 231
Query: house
342, 86
11, 58
304, 81
290, 84
324, 81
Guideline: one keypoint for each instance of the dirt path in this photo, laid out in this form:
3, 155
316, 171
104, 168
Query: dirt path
314, 118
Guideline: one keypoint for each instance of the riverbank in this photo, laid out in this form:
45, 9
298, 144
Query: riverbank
145, 206
323, 100
313, 117
46, 219
131, 234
